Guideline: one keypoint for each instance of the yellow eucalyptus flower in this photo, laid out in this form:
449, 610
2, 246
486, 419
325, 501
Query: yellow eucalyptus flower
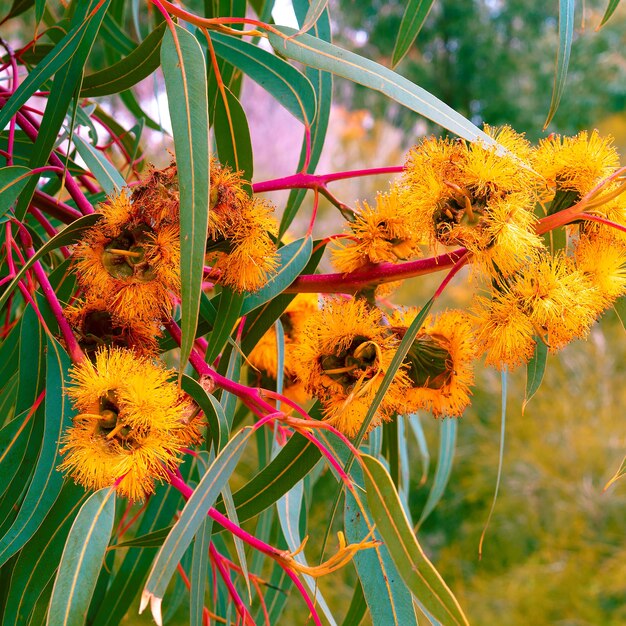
379, 234
95, 326
476, 196
439, 363
130, 261
343, 356
240, 245
131, 425
573, 166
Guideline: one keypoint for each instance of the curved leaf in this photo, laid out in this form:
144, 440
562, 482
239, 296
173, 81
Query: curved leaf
88, 14
81, 560
59, 56
47, 481
447, 446
282, 81
190, 520
124, 74
186, 85
322, 83
388, 599
610, 9
109, 178
566, 34
293, 259
133, 570
316, 8
218, 425
413, 565
325, 56
535, 370
232, 135
415, 15
39, 559
12, 180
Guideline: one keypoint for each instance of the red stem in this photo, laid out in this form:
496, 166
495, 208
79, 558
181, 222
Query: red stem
313, 181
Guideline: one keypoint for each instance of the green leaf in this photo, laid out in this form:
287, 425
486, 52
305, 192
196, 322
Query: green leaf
12, 180
132, 572
322, 83
610, 9
140, 63
47, 481
39, 559
413, 565
396, 362
535, 370
232, 135
64, 88
66, 237
357, 608
504, 378
191, 518
218, 430
384, 591
198, 573
415, 15
292, 258
566, 34
18, 6
109, 178
59, 56
325, 56
13, 443
281, 80
316, 8
31, 359
228, 313
295, 460
447, 446
186, 85
82, 559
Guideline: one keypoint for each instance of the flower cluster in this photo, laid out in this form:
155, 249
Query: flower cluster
131, 427
240, 245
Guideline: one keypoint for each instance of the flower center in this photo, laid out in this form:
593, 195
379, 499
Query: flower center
125, 256
429, 361
110, 426
358, 362
460, 212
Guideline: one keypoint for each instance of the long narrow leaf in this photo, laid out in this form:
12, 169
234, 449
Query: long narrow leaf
139, 64
566, 34
415, 15
447, 446
47, 481
81, 560
190, 520
413, 565
186, 85
325, 56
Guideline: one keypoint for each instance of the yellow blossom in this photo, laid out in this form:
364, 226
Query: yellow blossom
240, 245
130, 261
573, 166
131, 425
379, 234
476, 196
602, 260
342, 358
440, 362
95, 326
